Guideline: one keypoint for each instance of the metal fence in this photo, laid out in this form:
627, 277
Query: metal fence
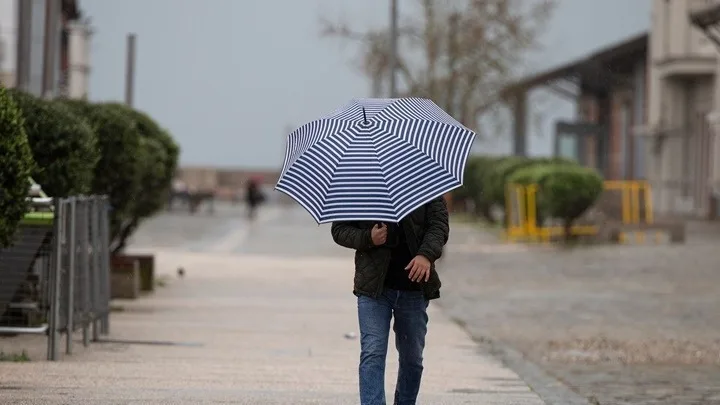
55, 279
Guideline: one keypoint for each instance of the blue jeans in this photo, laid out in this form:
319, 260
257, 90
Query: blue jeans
410, 311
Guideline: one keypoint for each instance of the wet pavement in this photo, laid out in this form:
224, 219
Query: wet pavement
634, 324
615, 324
618, 324
278, 231
261, 317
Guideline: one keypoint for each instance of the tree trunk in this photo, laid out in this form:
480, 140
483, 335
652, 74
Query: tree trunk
125, 233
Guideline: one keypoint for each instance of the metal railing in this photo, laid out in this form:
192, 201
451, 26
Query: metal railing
625, 202
55, 279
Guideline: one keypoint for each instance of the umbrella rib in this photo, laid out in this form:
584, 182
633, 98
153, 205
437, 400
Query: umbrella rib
414, 146
342, 155
382, 170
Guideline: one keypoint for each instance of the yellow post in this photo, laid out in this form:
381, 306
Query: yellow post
649, 216
522, 210
531, 192
508, 212
546, 233
635, 189
626, 204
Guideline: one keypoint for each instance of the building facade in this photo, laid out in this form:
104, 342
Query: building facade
683, 68
44, 47
75, 82
8, 41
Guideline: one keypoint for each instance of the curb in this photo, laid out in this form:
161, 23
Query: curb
551, 390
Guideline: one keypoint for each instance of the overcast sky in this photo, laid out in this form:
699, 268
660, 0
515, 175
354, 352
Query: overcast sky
228, 77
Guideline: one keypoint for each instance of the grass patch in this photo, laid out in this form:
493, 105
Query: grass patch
14, 357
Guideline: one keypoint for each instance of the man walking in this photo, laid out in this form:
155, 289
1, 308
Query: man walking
395, 277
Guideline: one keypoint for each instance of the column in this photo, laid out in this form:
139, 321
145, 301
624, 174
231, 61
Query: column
519, 123
79, 35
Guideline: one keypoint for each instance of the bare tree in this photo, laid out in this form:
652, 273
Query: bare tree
459, 53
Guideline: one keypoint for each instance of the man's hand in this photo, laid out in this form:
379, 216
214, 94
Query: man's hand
419, 269
379, 234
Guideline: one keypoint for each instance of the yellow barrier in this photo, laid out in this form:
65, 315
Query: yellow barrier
516, 222
635, 202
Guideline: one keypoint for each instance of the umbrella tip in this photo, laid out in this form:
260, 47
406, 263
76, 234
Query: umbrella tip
365, 121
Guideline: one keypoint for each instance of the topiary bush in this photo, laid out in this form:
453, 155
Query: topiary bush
118, 172
565, 191
476, 168
493, 183
496, 181
63, 145
158, 159
16, 165
568, 191
534, 174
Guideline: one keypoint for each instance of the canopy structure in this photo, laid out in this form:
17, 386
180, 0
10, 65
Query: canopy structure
595, 73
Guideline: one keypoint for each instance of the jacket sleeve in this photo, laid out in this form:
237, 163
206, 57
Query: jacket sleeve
437, 231
350, 235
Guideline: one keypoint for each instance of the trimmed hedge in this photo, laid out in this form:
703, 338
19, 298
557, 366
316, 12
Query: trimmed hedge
63, 145
118, 172
568, 191
16, 166
83, 148
564, 191
158, 162
476, 169
160, 159
496, 180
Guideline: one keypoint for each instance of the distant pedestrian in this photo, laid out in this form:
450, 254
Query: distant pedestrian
253, 196
395, 277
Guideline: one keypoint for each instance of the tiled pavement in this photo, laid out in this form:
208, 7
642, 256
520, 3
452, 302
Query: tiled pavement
263, 322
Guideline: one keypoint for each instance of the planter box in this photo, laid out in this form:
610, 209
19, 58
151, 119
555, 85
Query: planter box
147, 271
124, 277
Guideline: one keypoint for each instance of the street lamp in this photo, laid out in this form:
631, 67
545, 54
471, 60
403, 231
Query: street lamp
393, 47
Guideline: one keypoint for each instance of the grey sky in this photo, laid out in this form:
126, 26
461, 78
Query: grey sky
227, 77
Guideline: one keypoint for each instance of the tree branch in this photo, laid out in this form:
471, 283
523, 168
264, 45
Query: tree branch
459, 53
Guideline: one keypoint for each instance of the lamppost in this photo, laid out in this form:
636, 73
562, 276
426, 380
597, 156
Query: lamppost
393, 47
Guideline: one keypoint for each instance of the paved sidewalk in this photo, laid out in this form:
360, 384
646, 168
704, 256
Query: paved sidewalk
250, 330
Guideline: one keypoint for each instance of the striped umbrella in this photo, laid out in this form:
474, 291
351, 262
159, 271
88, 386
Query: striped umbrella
374, 160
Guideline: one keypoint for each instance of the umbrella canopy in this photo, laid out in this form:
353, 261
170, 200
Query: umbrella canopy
375, 160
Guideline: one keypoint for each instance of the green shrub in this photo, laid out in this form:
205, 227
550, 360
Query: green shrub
476, 168
496, 181
568, 191
534, 174
161, 147
158, 162
565, 191
16, 165
118, 172
63, 146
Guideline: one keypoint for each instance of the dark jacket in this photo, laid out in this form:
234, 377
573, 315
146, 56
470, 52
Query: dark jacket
426, 230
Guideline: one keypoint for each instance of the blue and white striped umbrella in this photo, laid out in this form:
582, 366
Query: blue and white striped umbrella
375, 160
